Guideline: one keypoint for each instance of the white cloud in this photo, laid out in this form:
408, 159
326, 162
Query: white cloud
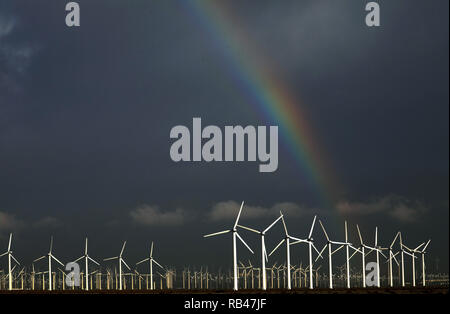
15, 57
229, 209
9, 223
397, 207
153, 215
48, 222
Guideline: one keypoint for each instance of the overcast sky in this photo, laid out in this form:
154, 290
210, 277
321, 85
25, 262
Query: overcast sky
85, 117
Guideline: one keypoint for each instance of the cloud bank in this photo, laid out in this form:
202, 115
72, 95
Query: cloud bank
153, 215
228, 210
396, 207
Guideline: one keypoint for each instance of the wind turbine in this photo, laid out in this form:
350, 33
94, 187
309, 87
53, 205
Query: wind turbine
235, 235
120, 259
311, 246
362, 248
348, 245
379, 250
151, 261
403, 252
392, 256
413, 262
422, 252
50, 256
287, 239
10, 256
264, 258
87, 258
330, 253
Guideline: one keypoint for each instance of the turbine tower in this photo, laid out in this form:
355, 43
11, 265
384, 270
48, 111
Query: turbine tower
87, 258
422, 252
330, 253
311, 246
50, 256
287, 238
392, 256
120, 259
235, 235
264, 258
10, 256
151, 261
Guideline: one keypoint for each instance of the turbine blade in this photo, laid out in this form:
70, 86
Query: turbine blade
57, 260
425, 247
314, 247
86, 247
9, 244
354, 254
38, 259
111, 258
284, 226
396, 236
123, 248
93, 261
320, 254
239, 215
158, 264
359, 234
78, 259
337, 249
346, 234
423, 243
12, 256
249, 229
242, 240
125, 264
144, 260
217, 233
273, 223
151, 250
281, 242
323, 228
312, 227
51, 244
376, 236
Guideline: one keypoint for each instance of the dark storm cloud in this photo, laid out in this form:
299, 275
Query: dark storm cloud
85, 116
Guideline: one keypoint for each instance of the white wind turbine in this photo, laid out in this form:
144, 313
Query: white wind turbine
151, 261
87, 258
348, 245
264, 258
422, 252
287, 238
10, 256
379, 250
361, 250
413, 262
311, 246
330, 253
403, 252
120, 259
50, 256
392, 256
235, 235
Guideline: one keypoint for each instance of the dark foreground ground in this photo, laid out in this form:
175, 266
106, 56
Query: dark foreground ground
391, 291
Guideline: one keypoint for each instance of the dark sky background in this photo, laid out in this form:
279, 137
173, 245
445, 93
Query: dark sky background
85, 116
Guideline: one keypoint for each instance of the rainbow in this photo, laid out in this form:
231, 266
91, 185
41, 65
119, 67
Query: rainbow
258, 80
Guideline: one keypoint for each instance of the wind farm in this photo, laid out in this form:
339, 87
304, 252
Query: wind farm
319, 273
